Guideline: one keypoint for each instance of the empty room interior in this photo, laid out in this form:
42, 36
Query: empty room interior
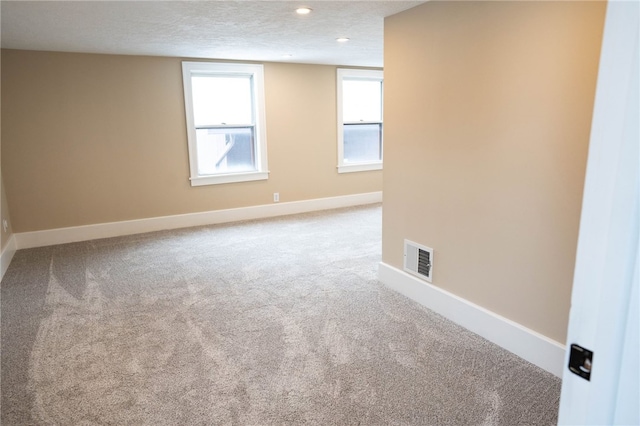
246, 213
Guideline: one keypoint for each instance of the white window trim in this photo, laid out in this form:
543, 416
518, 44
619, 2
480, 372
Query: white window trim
343, 73
257, 71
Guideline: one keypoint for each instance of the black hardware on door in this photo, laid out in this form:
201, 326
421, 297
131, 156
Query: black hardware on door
580, 360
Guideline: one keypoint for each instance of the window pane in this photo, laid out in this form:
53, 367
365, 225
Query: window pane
221, 99
362, 143
225, 150
361, 100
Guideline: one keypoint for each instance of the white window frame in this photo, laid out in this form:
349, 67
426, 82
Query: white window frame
256, 71
359, 74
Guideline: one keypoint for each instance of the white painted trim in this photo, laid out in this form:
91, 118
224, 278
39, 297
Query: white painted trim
228, 178
362, 167
6, 255
256, 71
526, 343
114, 229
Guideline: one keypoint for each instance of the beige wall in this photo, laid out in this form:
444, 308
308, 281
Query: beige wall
487, 117
100, 138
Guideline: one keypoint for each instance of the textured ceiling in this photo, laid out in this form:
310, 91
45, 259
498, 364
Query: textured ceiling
247, 30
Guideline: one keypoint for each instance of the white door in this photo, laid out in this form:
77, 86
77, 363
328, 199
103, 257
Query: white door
604, 305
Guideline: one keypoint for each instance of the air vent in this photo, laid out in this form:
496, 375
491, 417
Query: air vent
418, 260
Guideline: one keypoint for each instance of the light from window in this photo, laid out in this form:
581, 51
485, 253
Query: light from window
359, 120
225, 118
362, 143
220, 99
361, 100
225, 150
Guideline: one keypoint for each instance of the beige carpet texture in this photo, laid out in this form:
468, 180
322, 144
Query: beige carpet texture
271, 322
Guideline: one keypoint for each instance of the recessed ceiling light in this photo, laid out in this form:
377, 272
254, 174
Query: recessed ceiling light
303, 10
342, 39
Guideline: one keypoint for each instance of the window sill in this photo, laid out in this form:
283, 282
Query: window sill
228, 178
363, 167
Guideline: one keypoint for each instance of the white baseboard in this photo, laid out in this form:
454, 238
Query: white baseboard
6, 255
115, 229
526, 343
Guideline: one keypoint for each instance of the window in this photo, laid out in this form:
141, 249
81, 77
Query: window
224, 106
359, 120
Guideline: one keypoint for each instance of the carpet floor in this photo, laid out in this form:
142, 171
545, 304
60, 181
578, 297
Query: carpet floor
271, 322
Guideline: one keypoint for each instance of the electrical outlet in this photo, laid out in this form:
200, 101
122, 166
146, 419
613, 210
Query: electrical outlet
5, 225
276, 197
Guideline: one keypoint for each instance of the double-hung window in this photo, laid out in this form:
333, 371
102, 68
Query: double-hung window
359, 120
226, 134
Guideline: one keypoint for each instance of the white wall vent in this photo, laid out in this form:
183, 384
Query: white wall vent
418, 260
